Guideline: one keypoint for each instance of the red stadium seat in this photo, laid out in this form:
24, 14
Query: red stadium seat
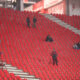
26, 49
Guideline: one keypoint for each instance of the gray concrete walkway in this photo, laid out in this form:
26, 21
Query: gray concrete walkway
18, 72
63, 24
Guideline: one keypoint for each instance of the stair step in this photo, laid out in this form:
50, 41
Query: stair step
21, 73
10, 70
31, 78
25, 76
10, 67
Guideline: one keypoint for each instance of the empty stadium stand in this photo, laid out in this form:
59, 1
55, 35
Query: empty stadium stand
61, 23
25, 48
72, 20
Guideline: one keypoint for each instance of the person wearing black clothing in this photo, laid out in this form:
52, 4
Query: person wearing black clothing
34, 21
76, 46
28, 22
1, 62
14, 5
48, 38
54, 57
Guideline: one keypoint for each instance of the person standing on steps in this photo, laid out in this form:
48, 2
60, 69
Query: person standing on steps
14, 5
1, 61
28, 22
34, 21
54, 57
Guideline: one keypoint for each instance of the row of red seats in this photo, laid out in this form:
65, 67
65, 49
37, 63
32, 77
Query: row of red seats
27, 50
72, 20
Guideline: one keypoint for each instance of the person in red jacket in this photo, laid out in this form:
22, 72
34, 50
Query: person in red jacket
54, 57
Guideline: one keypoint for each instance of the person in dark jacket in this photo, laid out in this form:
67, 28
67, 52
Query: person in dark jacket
28, 22
34, 21
49, 39
14, 5
54, 57
1, 62
76, 46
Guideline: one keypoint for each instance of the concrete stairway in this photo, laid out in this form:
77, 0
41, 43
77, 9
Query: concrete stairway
18, 72
63, 24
